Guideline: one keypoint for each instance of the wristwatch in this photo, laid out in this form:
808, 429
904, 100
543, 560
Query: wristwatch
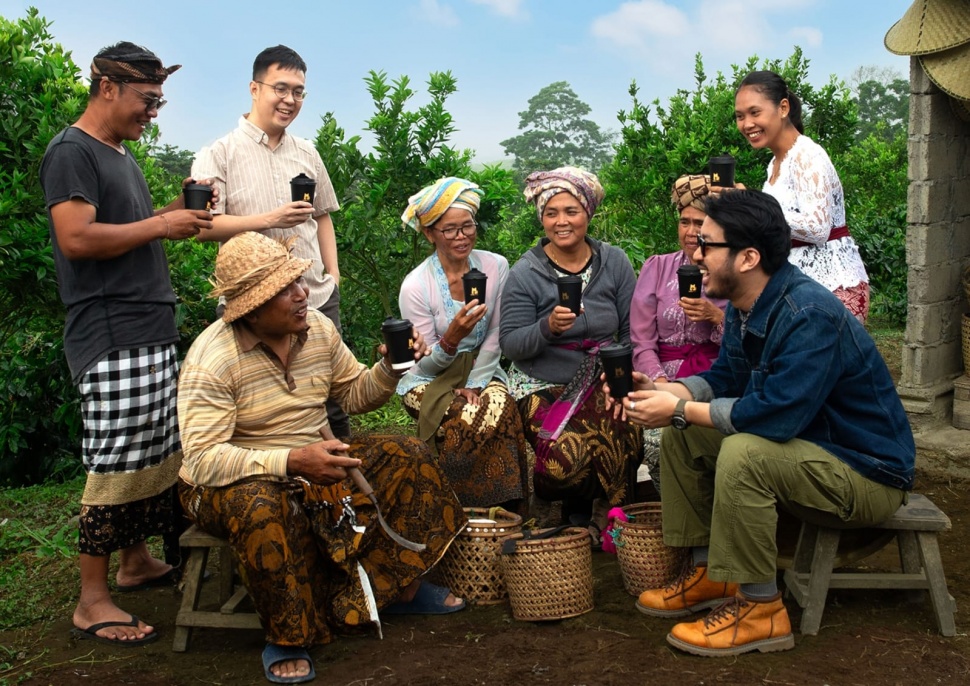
679, 420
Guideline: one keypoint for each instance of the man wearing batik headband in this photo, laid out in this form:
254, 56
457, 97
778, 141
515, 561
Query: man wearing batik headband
252, 403
674, 337
584, 456
120, 335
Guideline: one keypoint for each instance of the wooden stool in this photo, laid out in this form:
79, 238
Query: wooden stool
915, 525
199, 543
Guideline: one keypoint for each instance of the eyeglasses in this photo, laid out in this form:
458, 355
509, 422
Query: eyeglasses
467, 229
152, 102
704, 244
282, 90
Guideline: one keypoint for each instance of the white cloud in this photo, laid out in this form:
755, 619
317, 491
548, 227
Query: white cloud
635, 25
505, 8
806, 36
439, 14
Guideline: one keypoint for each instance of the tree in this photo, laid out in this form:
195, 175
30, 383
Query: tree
410, 151
174, 160
556, 132
883, 108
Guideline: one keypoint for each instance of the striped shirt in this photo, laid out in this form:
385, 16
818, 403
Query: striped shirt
241, 410
252, 178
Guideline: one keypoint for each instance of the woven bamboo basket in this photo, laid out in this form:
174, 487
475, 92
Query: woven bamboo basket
471, 567
645, 560
551, 578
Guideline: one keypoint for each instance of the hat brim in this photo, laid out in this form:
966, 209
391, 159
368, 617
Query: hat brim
929, 27
950, 71
265, 290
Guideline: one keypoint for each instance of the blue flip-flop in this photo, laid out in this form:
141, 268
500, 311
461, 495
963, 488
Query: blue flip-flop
273, 653
429, 600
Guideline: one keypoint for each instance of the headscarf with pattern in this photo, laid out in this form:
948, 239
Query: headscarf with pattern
130, 63
691, 189
584, 186
427, 205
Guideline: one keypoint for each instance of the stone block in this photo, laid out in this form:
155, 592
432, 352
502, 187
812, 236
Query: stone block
926, 201
919, 82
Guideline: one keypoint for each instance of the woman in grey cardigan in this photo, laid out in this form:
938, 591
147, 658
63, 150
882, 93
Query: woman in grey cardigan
584, 456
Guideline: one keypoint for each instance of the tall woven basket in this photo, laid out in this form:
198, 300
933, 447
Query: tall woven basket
471, 567
551, 578
645, 560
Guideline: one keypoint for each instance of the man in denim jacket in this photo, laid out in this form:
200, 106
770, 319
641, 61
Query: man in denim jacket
799, 410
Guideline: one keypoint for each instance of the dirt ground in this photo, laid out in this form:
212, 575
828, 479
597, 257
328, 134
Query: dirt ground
867, 637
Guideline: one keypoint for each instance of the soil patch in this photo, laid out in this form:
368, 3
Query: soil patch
880, 638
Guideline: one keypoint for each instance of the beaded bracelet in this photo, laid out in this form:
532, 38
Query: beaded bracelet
448, 348
168, 227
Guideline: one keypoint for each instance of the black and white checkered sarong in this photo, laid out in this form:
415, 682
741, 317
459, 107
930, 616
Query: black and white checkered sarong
128, 406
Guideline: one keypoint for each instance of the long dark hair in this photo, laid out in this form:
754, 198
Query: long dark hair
773, 87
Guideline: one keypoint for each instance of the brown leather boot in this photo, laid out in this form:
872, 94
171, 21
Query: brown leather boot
738, 626
690, 592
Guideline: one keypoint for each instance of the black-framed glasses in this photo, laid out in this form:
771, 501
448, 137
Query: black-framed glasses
467, 229
152, 102
282, 90
704, 244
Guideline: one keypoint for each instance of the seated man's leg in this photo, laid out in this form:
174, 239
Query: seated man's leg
417, 503
272, 540
688, 460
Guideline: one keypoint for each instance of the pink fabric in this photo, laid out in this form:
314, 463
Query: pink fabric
656, 317
695, 357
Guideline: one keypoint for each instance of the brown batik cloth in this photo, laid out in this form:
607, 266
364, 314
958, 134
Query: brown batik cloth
107, 528
595, 454
481, 448
298, 552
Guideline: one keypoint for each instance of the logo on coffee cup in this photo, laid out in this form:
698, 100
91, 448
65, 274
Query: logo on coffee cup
715, 177
692, 288
410, 344
619, 373
474, 291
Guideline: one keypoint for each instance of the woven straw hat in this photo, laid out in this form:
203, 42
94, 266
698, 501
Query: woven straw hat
252, 268
950, 70
961, 108
930, 26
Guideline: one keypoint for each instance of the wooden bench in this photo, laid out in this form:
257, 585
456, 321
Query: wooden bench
915, 525
199, 544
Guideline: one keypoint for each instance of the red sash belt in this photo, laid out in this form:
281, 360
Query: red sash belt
836, 233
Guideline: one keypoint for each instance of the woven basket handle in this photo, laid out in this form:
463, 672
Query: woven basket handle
508, 545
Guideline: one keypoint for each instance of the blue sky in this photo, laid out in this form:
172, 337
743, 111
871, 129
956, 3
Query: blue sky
501, 51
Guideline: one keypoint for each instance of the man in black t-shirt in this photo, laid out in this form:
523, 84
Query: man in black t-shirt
120, 335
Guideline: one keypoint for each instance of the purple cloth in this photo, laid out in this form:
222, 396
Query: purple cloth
693, 357
656, 318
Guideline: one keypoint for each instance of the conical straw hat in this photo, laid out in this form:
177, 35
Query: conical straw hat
930, 26
962, 109
950, 71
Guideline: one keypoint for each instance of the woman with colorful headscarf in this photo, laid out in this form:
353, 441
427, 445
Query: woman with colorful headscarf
674, 337
457, 393
584, 456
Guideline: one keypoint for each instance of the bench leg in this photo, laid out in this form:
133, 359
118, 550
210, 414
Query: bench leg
826, 546
194, 570
943, 605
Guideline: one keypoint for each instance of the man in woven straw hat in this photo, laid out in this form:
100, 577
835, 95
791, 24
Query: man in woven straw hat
252, 410
120, 335
798, 411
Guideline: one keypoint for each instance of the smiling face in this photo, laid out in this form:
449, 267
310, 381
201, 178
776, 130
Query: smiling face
270, 112
760, 121
565, 222
129, 113
691, 220
454, 250
721, 277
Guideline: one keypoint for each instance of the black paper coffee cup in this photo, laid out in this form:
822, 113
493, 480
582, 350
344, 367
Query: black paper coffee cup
570, 292
198, 196
721, 169
617, 361
302, 188
474, 284
689, 279
399, 338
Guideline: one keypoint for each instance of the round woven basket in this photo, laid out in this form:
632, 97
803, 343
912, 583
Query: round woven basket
645, 560
471, 567
550, 578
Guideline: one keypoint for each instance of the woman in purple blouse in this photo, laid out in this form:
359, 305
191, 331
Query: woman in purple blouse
674, 337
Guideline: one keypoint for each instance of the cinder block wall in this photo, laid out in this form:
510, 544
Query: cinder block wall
937, 248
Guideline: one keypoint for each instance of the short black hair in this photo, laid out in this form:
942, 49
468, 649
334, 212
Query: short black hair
753, 219
286, 58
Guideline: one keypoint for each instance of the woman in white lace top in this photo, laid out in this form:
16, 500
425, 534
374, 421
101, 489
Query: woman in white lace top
804, 181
